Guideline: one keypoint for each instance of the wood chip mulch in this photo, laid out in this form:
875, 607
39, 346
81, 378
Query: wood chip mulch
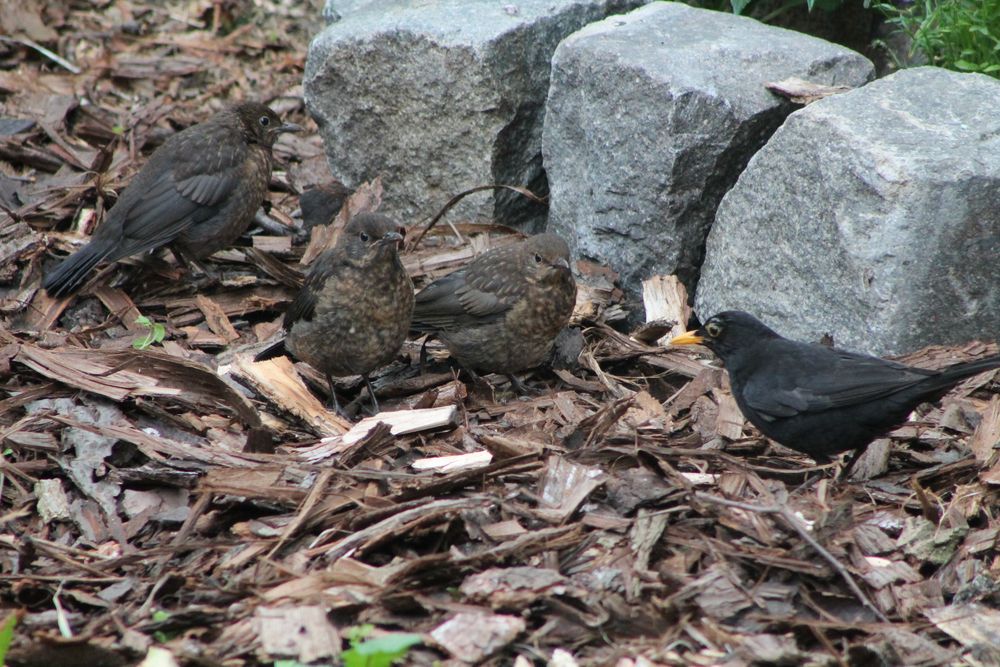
184, 502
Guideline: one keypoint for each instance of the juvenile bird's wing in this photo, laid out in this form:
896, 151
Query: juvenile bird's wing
477, 294
185, 182
809, 383
303, 306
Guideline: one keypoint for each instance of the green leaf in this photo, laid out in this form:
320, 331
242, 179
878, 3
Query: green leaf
381, 651
157, 332
966, 66
159, 616
6, 635
356, 633
739, 5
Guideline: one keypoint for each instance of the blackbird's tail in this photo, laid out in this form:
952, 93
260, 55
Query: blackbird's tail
69, 276
274, 350
952, 375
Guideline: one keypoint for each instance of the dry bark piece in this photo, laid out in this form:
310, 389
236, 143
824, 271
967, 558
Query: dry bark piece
665, 299
472, 637
454, 463
402, 422
972, 624
303, 633
801, 91
277, 380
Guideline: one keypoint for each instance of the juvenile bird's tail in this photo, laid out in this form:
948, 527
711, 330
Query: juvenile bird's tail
274, 350
67, 278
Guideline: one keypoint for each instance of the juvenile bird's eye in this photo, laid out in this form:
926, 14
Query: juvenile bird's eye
538, 258
365, 237
264, 121
713, 329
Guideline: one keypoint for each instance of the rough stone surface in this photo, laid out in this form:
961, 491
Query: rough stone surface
872, 216
651, 117
441, 96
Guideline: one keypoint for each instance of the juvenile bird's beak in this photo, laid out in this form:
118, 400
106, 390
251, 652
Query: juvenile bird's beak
391, 237
688, 338
289, 127
561, 263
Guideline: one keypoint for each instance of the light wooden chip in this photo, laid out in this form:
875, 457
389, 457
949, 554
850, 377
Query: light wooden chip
402, 422
277, 244
454, 463
566, 486
666, 298
304, 633
279, 382
801, 91
473, 637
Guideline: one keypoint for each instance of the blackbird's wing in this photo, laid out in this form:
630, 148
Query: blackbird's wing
303, 306
183, 184
811, 378
475, 295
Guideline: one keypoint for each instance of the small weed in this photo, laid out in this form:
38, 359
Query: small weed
7, 635
962, 35
765, 10
379, 652
155, 334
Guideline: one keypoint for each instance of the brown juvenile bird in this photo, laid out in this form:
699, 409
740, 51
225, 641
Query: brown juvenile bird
502, 312
818, 400
198, 192
353, 312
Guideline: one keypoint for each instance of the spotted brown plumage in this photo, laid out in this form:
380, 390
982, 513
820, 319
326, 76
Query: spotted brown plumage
502, 312
353, 312
198, 192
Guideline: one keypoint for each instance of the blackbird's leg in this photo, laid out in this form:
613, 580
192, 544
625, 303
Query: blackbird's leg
333, 404
845, 472
371, 392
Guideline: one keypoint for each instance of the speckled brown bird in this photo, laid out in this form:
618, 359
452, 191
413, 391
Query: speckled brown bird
502, 312
353, 312
198, 192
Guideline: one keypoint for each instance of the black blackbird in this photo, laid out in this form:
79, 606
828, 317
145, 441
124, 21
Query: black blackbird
353, 312
818, 400
502, 312
199, 192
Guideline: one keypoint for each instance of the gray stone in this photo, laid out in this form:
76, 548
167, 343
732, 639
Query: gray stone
441, 96
872, 216
651, 117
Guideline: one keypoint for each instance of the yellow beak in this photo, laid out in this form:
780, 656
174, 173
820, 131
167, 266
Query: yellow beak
688, 338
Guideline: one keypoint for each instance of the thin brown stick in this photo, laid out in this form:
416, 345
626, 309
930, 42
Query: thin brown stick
462, 195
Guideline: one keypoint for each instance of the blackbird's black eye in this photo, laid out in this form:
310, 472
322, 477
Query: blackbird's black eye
538, 258
264, 121
364, 237
714, 329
